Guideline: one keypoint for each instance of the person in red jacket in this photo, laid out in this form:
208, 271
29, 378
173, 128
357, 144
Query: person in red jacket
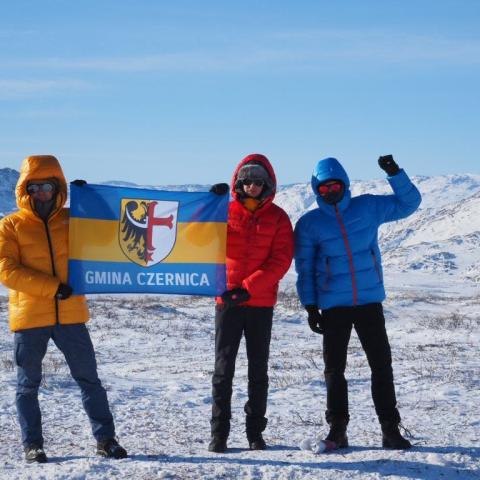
259, 253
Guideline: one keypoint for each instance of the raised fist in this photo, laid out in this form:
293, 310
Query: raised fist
388, 164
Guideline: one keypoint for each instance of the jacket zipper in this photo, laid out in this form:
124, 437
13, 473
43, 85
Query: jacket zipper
50, 248
349, 254
252, 223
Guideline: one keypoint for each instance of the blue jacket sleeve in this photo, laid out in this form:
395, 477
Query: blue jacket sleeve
402, 203
305, 254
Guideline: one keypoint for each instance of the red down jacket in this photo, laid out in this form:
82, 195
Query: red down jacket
259, 243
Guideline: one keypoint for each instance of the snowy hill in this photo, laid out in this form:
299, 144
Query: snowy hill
8, 180
442, 237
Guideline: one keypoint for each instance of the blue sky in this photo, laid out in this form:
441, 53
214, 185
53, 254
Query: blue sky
159, 92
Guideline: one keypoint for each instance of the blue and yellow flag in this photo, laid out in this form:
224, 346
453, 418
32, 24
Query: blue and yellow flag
131, 240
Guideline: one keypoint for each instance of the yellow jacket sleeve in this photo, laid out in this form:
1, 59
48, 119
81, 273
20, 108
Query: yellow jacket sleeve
16, 276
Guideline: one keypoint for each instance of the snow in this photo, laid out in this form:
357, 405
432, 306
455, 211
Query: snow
155, 356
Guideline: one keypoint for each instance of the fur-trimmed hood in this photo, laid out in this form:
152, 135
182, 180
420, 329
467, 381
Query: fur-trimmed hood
270, 188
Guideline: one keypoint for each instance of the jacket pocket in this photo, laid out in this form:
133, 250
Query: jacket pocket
18, 354
328, 274
376, 266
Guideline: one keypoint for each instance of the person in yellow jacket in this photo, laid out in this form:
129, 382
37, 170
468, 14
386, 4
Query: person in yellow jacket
42, 306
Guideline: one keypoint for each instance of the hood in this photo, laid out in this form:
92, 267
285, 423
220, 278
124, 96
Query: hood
330, 169
40, 167
262, 160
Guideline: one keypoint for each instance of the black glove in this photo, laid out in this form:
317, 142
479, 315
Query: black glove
79, 183
388, 164
315, 319
235, 296
220, 188
64, 291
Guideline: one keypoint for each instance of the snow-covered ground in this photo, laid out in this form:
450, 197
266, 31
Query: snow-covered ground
155, 357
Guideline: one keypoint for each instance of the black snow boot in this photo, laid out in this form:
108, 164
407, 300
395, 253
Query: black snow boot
392, 438
35, 454
257, 442
338, 432
217, 444
110, 448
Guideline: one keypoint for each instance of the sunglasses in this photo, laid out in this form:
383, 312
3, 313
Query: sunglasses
257, 182
332, 187
40, 187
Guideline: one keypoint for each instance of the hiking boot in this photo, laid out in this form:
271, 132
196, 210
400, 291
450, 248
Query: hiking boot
110, 448
257, 443
392, 438
338, 433
217, 445
35, 454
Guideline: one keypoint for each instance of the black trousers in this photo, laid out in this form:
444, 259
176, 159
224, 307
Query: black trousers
230, 324
369, 323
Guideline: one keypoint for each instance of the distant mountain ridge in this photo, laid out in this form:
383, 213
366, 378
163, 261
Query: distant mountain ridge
8, 180
442, 237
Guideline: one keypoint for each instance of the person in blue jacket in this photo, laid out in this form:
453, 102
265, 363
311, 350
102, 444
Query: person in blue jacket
340, 284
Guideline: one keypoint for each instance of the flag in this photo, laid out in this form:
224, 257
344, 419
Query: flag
131, 240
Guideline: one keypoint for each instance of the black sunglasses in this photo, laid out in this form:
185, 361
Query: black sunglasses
257, 182
40, 187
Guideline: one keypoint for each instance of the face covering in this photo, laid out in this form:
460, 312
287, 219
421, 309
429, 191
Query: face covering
333, 198
332, 193
44, 208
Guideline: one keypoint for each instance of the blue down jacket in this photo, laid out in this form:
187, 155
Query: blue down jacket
336, 246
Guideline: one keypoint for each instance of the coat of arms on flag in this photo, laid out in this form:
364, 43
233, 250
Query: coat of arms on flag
148, 230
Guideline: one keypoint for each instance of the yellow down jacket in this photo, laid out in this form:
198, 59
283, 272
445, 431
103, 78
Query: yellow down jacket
34, 254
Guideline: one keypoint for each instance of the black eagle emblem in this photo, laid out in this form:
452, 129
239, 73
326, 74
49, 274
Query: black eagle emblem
134, 228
